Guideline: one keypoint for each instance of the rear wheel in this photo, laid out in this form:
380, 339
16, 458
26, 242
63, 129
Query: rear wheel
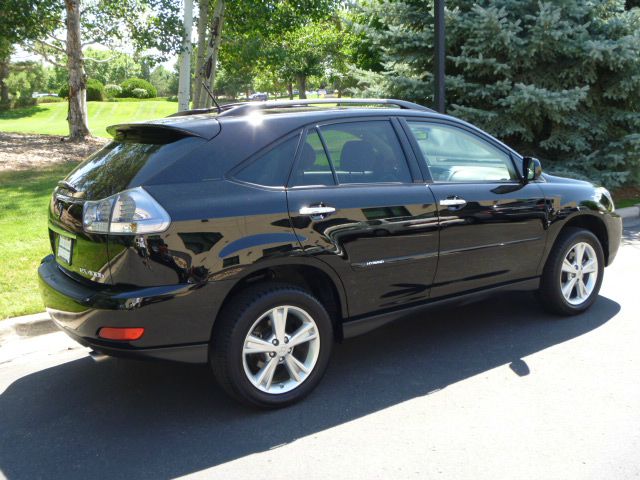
573, 273
271, 345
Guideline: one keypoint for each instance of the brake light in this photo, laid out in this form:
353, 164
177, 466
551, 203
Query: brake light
112, 333
130, 212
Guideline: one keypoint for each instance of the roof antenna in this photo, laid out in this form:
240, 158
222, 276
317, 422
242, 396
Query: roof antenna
206, 69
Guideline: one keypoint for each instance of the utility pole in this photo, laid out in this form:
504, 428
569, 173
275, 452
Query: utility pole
184, 79
439, 53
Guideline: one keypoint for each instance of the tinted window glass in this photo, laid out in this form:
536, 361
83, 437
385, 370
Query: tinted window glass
272, 168
453, 155
119, 165
366, 152
313, 164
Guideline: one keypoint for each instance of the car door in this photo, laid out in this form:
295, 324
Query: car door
356, 203
492, 225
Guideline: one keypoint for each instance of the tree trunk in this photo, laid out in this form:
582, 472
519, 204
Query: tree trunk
77, 115
290, 90
217, 21
203, 17
302, 86
184, 80
4, 74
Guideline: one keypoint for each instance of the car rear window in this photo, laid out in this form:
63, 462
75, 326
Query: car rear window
122, 165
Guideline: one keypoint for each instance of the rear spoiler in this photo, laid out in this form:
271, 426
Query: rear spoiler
165, 130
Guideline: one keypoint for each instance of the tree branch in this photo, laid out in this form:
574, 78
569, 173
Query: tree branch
50, 35
95, 60
43, 54
52, 46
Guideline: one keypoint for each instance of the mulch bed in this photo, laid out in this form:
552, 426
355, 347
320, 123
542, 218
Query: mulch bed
20, 151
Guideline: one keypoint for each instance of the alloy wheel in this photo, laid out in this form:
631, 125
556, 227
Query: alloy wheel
579, 273
281, 349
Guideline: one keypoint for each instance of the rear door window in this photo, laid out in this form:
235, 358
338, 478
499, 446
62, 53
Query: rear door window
366, 152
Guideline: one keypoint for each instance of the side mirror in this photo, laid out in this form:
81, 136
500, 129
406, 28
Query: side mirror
532, 169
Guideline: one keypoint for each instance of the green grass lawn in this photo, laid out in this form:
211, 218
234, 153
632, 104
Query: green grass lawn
24, 197
626, 202
51, 118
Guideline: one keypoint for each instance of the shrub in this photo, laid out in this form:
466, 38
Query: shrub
95, 90
50, 100
139, 93
112, 90
128, 86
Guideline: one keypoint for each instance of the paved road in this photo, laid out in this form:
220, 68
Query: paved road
496, 390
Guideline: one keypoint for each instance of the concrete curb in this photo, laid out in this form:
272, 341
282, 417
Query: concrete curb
41, 324
629, 212
26, 326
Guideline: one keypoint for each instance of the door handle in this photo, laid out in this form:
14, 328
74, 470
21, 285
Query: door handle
453, 202
317, 212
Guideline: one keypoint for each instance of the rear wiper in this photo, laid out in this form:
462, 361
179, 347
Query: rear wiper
67, 185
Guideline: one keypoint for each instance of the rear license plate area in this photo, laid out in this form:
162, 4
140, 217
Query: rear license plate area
65, 249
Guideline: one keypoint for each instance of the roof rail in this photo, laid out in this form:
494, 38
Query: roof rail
243, 108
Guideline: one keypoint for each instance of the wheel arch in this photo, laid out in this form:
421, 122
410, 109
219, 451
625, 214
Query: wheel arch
312, 275
596, 226
587, 221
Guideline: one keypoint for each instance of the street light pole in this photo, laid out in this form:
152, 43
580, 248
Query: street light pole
439, 55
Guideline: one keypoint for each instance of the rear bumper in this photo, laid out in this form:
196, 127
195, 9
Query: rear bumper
176, 319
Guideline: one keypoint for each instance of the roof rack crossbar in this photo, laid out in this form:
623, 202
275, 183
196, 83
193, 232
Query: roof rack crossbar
239, 109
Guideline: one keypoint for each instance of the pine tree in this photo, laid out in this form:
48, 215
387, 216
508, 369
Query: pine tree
558, 80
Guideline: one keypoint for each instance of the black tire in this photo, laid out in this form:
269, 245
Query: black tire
232, 327
550, 293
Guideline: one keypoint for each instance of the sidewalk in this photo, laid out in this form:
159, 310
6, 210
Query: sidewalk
40, 323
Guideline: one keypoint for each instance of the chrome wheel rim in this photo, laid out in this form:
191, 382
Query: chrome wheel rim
281, 349
579, 273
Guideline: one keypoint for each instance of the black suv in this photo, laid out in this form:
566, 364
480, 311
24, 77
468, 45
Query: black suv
255, 237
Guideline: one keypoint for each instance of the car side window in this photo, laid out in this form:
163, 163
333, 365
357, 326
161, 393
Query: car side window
453, 155
313, 167
366, 152
272, 168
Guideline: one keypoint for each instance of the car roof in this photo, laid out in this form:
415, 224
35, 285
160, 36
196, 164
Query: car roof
286, 116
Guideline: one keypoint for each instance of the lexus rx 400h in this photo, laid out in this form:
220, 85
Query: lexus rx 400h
254, 237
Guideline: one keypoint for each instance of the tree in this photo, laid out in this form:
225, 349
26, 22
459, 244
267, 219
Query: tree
24, 79
144, 23
209, 38
184, 81
557, 80
111, 67
23, 20
311, 49
258, 23
161, 78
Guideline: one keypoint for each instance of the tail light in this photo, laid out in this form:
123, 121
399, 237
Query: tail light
113, 333
130, 212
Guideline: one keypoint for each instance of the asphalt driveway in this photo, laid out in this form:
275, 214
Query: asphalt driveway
495, 389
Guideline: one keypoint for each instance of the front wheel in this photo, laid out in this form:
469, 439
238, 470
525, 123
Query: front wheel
271, 345
573, 273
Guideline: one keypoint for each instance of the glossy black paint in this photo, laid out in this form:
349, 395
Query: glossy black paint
386, 249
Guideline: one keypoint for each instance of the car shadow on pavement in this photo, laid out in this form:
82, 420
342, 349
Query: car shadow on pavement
129, 419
